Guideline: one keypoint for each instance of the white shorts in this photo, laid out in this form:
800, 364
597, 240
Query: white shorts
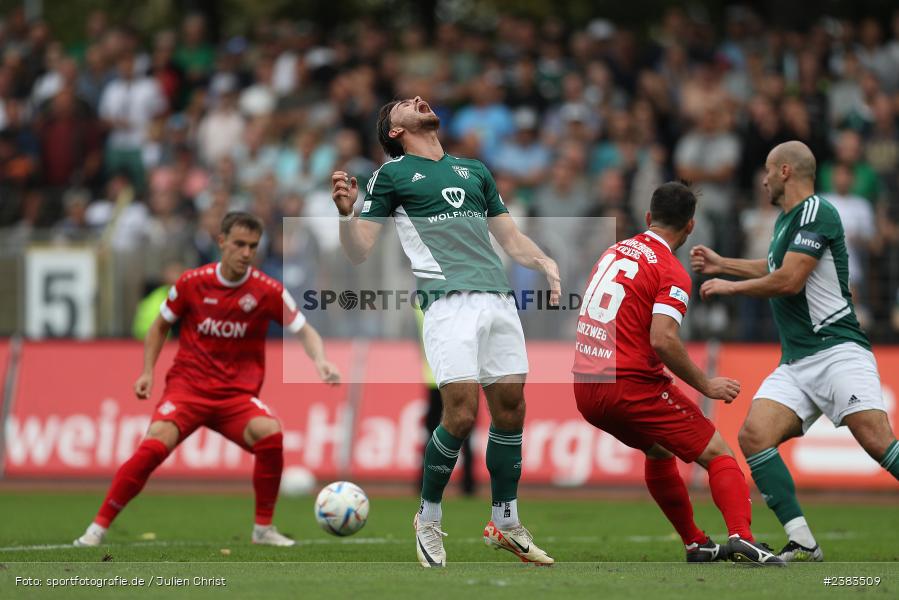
474, 336
837, 382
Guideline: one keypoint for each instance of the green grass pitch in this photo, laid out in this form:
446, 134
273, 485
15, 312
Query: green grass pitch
604, 549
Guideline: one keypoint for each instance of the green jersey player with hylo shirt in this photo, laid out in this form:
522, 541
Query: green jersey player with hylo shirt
445, 209
826, 366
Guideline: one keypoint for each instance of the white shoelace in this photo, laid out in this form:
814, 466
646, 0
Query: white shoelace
432, 536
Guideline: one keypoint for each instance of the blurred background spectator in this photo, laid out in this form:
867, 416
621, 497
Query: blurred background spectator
140, 139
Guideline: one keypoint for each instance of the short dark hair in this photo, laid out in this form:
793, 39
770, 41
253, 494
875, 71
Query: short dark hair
391, 146
673, 205
238, 218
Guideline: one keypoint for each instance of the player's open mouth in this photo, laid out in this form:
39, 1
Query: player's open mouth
423, 107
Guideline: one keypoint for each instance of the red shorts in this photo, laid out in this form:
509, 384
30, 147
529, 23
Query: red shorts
227, 416
641, 414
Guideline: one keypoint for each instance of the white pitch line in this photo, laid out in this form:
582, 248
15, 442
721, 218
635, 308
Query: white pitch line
354, 541
163, 544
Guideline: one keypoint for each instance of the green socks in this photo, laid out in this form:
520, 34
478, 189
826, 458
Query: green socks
504, 463
890, 460
775, 483
440, 458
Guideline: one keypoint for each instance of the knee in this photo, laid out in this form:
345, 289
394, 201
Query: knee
165, 432
459, 422
510, 414
874, 441
260, 428
715, 448
752, 439
872, 431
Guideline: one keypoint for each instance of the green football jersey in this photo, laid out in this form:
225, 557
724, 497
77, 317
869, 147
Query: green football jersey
821, 315
440, 209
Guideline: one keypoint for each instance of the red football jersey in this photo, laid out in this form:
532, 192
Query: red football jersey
633, 280
221, 350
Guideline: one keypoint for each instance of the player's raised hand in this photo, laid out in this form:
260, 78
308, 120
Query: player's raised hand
551, 270
723, 388
716, 287
705, 260
328, 372
344, 190
143, 386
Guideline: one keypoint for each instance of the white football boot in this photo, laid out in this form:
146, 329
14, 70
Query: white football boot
429, 543
796, 552
267, 535
92, 537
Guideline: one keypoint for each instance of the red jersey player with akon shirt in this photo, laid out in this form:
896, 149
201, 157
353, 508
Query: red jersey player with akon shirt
224, 310
627, 332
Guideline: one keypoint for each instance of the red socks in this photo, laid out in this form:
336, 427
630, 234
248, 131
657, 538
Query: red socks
669, 491
129, 480
731, 495
267, 475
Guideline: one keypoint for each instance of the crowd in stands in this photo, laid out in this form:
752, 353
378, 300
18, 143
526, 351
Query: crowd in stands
144, 139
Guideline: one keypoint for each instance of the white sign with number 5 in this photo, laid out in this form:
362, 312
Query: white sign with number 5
60, 290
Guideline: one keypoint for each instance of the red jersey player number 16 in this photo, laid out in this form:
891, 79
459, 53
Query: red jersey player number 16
627, 332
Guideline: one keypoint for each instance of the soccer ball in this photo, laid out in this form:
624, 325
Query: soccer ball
341, 508
297, 481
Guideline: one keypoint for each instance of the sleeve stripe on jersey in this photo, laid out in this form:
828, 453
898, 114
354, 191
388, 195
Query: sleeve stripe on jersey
374, 176
663, 309
297, 323
810, 210
167, 313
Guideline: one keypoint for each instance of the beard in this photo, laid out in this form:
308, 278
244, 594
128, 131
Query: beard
776, 196
429, 122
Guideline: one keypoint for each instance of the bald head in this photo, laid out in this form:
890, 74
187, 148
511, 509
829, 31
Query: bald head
798, 156
789, 174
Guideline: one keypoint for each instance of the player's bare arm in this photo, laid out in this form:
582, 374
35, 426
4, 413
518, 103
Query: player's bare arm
665, 340
357, 236
153, 343
706, 261
525, 252
315, 350
788, 280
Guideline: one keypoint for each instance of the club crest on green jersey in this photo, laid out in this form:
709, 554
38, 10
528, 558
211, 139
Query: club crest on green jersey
455, 196
462, 171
